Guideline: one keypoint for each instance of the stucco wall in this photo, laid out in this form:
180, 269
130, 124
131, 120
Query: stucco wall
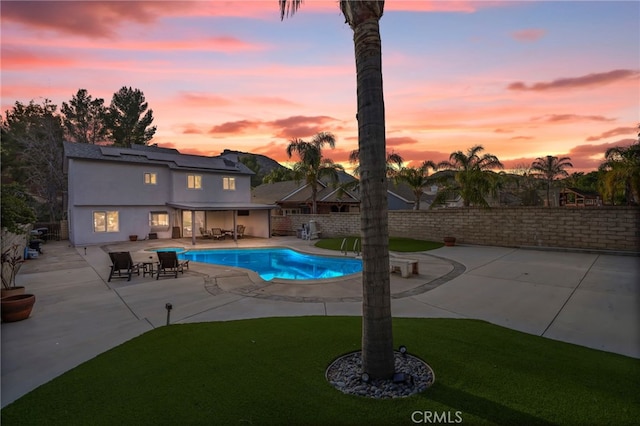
604, 228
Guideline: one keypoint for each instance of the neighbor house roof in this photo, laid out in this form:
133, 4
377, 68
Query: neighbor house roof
292, 191
143, 154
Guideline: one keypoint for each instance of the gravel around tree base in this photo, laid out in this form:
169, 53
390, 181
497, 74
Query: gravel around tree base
345, 374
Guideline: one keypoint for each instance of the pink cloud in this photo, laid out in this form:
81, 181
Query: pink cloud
531, 34
301, 126
614, 132
202, 100
589, 80
235, 127
553, 118
95, 19
20, 59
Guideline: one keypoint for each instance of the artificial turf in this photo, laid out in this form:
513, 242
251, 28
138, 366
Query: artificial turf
271, 371
395, 244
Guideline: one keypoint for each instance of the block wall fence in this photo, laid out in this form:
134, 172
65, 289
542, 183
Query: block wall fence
602, 228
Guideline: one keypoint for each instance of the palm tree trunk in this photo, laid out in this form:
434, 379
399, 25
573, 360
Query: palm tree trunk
377, 336
314, 195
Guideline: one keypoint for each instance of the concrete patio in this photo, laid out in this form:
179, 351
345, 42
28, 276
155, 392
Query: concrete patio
589, 299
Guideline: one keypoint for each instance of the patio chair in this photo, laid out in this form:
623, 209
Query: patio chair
168, 264
313, 231
204, 233
217, 233
239, 231
122, 265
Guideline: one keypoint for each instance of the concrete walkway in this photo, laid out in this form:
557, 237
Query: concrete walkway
586, 299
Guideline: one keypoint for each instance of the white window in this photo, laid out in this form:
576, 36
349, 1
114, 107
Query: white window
229, 183
106, 221
194, 181
150, 179
159, 220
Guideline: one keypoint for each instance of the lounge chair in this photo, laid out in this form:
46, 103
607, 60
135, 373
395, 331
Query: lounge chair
122, 265
168, 264
217, 233
239, 231
204, 233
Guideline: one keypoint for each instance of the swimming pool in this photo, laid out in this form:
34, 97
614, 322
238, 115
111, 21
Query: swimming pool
282, 263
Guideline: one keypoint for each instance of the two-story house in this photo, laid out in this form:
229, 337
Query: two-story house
155, 192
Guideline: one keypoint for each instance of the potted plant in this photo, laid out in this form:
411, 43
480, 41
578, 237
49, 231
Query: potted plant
449, 241
11, 263
16, 306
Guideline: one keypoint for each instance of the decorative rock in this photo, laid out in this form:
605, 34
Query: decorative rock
345, 375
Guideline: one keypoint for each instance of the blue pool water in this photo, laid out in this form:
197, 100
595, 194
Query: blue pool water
281, 263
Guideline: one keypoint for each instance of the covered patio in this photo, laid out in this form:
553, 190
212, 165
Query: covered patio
190, 217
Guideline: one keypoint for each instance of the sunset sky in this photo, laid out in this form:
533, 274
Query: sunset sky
522, 78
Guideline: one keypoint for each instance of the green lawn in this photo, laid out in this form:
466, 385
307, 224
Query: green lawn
271, 371
395, 244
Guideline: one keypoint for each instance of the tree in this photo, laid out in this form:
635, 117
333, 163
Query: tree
394, 163
474, 176
312, 165
549, 168
622, 172
251, 161
377, 337
416, 178
126, 124
16, 210
279, 175
33, 133
84, 118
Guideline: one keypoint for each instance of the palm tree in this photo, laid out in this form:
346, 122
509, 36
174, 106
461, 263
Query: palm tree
377, 338
622, 169
474, 175
550, 168
313, 165
394, 163
416, 178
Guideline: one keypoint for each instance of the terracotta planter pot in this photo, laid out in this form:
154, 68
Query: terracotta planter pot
449, 241
17, 308
6, 292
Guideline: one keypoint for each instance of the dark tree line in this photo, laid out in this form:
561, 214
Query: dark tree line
33, 135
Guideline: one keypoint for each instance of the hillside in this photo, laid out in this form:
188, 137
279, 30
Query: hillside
260, 164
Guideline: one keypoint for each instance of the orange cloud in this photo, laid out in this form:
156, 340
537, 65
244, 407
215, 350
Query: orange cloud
530, 34
191, 129
614, 132
595, 79
585, 158
400, 141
